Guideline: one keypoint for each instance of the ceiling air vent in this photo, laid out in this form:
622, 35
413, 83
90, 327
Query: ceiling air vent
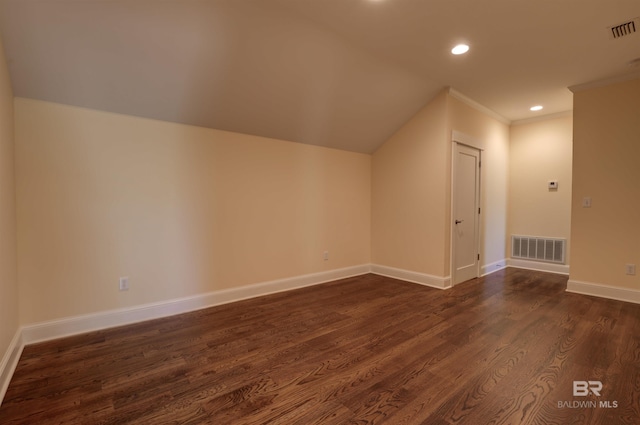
625, 29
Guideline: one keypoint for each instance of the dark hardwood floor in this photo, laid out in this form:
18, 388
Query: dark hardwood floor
504, 349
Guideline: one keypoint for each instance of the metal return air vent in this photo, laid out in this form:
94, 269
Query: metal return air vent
550, 250
625, 29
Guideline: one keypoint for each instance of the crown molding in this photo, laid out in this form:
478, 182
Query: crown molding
605, 82
477, 106
543, 117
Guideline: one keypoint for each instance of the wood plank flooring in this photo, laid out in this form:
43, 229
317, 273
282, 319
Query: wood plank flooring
504, 349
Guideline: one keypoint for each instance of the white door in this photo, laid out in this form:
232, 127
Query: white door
466, 213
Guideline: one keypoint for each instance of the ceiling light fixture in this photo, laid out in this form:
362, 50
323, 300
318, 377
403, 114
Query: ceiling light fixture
460, 49
536, 108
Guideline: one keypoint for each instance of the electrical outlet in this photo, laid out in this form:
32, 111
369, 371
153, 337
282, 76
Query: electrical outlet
586, 202
124, 283
630, 269
326, 255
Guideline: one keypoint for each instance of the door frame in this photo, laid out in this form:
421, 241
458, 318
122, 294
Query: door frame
458, 138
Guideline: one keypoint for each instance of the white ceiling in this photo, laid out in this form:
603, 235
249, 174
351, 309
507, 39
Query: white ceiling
338, 73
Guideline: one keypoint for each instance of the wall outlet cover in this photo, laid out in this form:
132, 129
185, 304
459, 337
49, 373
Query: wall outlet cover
123, 283
630, 269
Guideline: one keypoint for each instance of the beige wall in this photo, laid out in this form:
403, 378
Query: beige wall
409, 194
606, 167
185, 210
180, 210
411, 181
492, 136
541, 151
8, 276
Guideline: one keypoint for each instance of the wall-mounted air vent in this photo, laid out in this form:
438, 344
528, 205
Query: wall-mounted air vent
624, 29
538, 249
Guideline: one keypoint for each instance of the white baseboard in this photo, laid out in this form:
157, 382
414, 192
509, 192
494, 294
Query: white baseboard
107, 319
414, 277
493, 267
9, 362
604, 291
60, 328
538, 266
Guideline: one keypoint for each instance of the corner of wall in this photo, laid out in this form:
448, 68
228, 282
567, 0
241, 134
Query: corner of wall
9, 362
605, 235
9, 291
409, 193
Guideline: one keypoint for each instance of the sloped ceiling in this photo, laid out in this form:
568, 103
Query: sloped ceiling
338, 73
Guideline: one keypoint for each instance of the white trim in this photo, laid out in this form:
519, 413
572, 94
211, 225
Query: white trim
68, 326
413, 277
477, 106
604, 291
493, 267
546, 117
604, 82
461, 138
9, 362
538, 266
454, 147
53, 329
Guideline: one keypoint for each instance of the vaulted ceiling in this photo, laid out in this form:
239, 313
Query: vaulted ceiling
338, 73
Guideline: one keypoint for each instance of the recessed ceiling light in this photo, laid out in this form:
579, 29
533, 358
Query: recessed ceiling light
536, 108
460, 49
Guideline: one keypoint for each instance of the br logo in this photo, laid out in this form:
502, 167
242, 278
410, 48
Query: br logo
582, 388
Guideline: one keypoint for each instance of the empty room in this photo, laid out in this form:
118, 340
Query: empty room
319, 212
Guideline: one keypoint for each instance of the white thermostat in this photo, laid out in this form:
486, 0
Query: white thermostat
553, 184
